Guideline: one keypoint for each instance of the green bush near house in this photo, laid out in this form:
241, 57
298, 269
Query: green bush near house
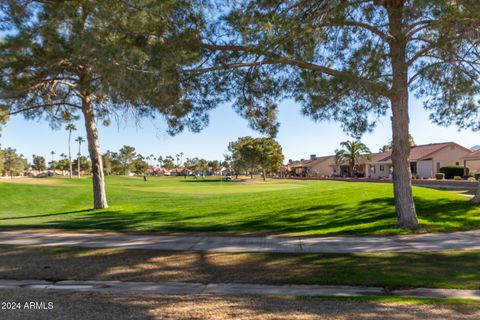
440, 176
457, 178
452, 171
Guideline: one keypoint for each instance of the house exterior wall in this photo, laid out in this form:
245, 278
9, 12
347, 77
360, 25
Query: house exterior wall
335, 169
375, 171
473, 165
323, 168
448, 156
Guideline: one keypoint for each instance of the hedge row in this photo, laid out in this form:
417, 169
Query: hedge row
452, 171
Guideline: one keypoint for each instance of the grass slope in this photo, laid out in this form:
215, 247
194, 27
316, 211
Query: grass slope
176, 204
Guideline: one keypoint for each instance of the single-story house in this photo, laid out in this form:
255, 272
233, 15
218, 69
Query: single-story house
314, 167
425, 161
377, 160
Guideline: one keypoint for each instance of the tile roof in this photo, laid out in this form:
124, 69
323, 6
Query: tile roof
472, 156
380, 156
309, 163
177, 170
420, 152
417, 153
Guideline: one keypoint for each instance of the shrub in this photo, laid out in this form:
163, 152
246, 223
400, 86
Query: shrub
471, 179
452, 171
440, 176
477, 176
457, 178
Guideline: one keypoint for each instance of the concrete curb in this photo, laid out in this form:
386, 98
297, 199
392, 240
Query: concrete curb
467, 240
237, 289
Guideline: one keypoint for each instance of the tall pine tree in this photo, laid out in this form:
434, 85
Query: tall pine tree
101, 60
350, 61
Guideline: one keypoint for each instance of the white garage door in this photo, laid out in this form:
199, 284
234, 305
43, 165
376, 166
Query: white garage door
424, 169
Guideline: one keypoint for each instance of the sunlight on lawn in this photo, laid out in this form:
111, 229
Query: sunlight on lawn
212, 205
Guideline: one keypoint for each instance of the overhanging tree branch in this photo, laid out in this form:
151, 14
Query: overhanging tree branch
40, 106
420, 53
275, 58
384, 36
228, 66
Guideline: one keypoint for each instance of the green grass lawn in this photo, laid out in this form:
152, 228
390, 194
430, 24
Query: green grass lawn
176, 204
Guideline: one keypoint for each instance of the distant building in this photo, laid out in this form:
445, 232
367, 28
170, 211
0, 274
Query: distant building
425, 161
317, 167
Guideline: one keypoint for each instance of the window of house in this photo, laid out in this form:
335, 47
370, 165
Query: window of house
438, 166
457, 163
382, 168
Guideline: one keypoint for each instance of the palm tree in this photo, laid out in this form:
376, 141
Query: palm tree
160, 161
70, 127
79, 140
51, 163
352, 152
60, 164
181, 158
177, 156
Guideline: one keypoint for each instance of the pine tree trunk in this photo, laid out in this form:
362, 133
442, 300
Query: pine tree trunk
405, 206
476, 198
99, 193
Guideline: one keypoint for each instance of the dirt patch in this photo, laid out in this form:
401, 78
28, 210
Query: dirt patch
391, 270
88, 305
57, 264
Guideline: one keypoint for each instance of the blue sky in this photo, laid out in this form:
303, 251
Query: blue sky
298, 135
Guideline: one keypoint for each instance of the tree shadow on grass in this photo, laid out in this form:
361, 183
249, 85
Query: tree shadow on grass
47, 215
373, 216
392, 270
144, 306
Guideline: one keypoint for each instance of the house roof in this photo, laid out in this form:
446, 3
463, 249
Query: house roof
424, 151
418, 153
177, 170
309, 163
380, 156
472, 156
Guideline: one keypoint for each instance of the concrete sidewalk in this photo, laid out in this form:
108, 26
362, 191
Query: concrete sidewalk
407, 243
237, 289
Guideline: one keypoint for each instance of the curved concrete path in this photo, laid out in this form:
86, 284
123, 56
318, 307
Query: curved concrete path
238, 289
406, 243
